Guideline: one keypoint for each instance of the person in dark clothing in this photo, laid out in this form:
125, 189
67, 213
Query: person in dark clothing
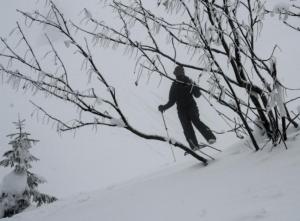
182, 93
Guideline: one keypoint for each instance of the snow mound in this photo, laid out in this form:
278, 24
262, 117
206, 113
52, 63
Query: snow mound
14, 183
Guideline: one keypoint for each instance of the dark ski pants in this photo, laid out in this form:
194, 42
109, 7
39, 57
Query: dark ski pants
188, 117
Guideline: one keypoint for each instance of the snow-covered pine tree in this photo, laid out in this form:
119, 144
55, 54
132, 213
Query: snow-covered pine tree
20, 187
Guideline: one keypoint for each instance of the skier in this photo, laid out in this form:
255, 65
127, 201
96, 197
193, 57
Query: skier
181, 93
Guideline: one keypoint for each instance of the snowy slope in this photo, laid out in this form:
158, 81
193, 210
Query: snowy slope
239, 186
92, 159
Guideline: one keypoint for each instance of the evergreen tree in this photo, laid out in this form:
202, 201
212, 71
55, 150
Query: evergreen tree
20, 186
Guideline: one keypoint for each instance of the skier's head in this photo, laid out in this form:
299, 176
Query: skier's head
179, 71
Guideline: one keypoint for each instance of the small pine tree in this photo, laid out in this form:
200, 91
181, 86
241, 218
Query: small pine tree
20, 186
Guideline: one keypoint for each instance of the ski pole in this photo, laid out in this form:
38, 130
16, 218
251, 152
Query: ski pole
207, 145
206, 155
168, 136
186, 153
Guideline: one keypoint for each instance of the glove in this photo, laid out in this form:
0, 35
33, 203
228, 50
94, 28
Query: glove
161, 108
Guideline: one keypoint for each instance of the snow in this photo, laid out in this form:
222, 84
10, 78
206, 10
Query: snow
240, 185
281, 7
172, 140
118, 122
277, 98
92, 151
14, 183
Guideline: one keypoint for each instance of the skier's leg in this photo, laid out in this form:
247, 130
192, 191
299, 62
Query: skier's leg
188, 129
203, 129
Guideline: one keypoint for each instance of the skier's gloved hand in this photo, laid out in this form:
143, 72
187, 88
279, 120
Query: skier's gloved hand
161, 108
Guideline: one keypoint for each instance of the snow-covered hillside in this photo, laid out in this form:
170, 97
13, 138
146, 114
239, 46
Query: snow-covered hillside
84, 170
239, 186
93, 159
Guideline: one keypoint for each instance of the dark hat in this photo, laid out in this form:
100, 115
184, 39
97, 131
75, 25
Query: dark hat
179, 70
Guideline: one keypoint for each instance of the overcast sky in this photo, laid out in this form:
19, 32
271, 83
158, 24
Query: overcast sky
92, 160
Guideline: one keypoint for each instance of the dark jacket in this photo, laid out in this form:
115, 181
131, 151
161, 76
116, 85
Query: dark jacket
182, 94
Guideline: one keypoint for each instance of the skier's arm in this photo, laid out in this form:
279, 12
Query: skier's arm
172, 99
196, 90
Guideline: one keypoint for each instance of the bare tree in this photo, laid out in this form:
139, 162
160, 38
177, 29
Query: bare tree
33, 75
217, 36
288, 13
285, 12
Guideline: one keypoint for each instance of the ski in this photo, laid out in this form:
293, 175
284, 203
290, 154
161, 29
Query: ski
186, 153
206, 154
203, 145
